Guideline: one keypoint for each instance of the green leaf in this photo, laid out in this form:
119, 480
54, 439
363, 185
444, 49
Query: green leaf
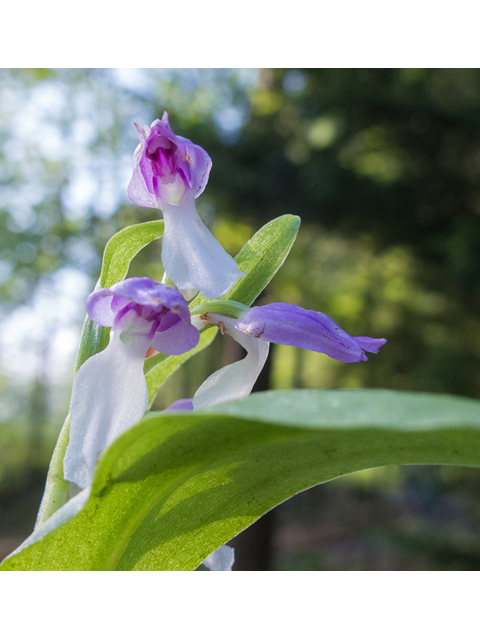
157, 374
260, 258
119, 252
124, 246
178, 485
57, 489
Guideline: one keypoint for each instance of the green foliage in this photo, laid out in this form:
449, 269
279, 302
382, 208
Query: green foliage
124, 246
57, 490
175, 487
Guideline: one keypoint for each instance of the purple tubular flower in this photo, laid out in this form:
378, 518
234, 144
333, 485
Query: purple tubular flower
166, 167
144, 307
283, 323
169, 172
109, 392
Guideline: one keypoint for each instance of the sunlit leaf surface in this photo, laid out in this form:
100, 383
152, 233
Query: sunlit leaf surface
178, 485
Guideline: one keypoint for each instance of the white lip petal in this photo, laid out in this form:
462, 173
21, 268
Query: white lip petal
235, 380
220, 560
109, 395
193, 258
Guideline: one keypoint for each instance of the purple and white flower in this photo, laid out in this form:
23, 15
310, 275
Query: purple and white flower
169, 172
109, 392
280, 323
284, 323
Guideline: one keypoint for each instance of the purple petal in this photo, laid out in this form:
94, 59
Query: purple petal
104, 304
166, 167
289, 324
137, 189
186, 404
199, 166
372, 345
99, 307
178, 339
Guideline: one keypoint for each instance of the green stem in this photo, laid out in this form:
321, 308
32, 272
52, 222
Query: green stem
229, 308
56, 488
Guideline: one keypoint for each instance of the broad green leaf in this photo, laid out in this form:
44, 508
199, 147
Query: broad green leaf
178, 485
119, 252
156, 375
260, 258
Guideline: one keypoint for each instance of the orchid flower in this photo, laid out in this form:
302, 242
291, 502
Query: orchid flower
280, 323
109, 392
169, 172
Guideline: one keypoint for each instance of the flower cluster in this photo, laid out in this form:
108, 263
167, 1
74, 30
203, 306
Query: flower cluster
109, 391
